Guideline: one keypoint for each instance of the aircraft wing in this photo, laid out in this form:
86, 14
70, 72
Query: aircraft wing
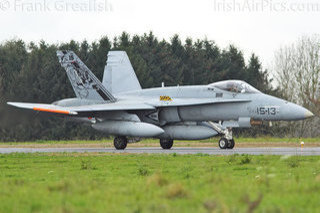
44, 108
75, 110
120, 106
113, 107
194, 102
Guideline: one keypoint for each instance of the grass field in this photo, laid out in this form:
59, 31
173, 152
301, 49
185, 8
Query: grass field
96, 182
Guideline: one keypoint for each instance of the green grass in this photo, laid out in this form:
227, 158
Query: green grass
158, 183
148, 141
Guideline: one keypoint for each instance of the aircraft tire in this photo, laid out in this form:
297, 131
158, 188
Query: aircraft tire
120, 143
231, 144
166, 143
223, 143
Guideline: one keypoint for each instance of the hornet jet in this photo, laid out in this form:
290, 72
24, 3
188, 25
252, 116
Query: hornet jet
120, 107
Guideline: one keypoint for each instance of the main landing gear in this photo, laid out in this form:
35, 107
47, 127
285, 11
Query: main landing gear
226, 142
120, 143
166, 143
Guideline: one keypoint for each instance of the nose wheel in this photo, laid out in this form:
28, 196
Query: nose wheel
231, 144
224, 143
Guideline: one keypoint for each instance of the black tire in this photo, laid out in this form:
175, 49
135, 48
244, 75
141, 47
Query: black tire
120, 143
166, 143
223, 143
231, 144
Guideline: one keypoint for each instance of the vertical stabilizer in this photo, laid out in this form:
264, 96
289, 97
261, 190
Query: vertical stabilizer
119, 75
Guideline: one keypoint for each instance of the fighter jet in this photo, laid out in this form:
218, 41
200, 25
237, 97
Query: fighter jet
120, 107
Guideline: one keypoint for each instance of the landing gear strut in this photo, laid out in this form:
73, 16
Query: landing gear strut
166, 143
120, 143
226, 142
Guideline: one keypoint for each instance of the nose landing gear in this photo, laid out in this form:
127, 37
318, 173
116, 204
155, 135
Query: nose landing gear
231, 144
226, 142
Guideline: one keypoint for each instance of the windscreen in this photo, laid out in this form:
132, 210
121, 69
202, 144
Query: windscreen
235, 86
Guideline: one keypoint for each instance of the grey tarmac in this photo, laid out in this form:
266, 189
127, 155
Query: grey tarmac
178, 150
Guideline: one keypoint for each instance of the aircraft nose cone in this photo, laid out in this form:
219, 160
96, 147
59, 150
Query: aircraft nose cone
295, 112
308, 114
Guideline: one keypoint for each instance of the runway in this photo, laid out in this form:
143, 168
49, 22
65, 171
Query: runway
177, 150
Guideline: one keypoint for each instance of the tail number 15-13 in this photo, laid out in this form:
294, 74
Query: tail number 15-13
266, 110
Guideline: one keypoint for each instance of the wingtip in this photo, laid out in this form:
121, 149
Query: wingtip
12, 103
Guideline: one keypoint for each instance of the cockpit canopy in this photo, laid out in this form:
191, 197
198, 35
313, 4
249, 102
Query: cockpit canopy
235, 86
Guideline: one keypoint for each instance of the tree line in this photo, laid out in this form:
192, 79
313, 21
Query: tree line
30, 72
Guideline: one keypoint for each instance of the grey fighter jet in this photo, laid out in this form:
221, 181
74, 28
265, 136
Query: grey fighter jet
120, 107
